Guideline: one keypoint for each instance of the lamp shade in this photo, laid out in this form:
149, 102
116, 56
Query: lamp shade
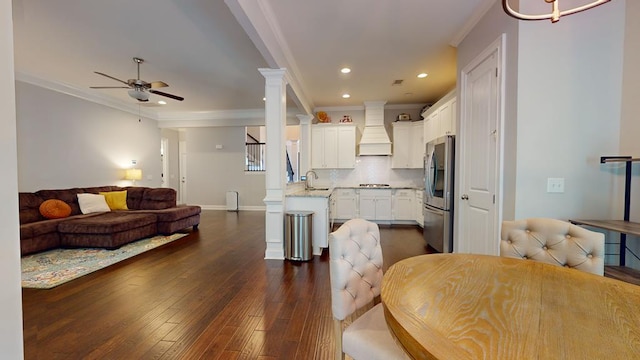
133, 174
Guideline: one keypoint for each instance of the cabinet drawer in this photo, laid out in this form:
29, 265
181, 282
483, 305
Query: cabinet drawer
375, 192
405, 193
344, 192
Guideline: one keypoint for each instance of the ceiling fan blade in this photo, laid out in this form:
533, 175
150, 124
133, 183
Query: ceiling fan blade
158, 84
175, 97
111, 77
108, 87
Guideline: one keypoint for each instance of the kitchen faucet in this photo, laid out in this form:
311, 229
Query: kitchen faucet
306, 179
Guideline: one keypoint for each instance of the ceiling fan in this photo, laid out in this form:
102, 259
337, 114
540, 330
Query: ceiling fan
139, 89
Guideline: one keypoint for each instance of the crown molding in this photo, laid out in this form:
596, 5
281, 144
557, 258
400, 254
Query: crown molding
246, 117
85, 95
362, 107
473, 20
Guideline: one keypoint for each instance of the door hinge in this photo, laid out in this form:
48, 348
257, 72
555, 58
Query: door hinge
494, 198
496, 72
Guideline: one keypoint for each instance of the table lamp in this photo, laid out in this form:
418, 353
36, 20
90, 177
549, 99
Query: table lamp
133, 175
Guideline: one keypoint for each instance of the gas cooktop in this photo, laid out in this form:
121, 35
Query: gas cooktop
374, 185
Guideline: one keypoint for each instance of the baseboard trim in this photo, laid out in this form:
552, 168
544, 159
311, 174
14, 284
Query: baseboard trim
224, 207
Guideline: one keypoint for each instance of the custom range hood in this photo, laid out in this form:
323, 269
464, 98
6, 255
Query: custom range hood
375, 140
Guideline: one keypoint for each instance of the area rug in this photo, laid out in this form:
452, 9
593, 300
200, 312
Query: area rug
49, 269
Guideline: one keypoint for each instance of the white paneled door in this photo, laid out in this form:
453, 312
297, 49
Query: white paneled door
478, 222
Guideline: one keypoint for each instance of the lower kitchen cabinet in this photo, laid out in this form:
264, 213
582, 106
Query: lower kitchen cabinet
403, 208
345, 202
375, 204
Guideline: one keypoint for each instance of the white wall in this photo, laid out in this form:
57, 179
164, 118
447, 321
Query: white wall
569, 88
630, 119
212, 172
68, 142
11, 338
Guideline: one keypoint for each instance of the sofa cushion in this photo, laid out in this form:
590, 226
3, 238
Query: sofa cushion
29, 207
174, 213
106, 223
117, 200
134, 196
55, 209
91, 203
42, 227
158, 198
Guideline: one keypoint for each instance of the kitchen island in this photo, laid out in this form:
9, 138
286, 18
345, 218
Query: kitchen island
316, 200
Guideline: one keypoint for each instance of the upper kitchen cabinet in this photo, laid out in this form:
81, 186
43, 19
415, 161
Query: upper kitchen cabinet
333, 146
440, 119
408, 145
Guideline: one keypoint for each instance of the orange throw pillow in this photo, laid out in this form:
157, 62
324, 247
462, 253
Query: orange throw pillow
55, 209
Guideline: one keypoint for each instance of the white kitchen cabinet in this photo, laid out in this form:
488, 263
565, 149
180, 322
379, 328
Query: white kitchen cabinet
440, 119
333, 146
403, 208
445, 119
408, 148
419, 207
417, 144
375, 204
345, 204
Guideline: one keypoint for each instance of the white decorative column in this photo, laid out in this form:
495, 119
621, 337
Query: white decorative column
305, 143
275, 122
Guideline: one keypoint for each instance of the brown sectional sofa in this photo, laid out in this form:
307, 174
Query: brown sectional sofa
151, 211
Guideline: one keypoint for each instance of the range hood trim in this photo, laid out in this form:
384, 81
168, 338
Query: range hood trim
375, 140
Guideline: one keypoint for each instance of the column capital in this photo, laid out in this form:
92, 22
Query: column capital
275, 74
304, 119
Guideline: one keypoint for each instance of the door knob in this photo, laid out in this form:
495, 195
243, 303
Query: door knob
464, 197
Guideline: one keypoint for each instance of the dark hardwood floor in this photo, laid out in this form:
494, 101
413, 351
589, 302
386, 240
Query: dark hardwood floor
209, 295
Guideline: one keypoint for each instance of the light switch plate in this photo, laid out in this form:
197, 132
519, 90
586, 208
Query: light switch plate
555, 185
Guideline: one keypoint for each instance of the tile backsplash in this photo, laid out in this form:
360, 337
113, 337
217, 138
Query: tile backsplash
371, 170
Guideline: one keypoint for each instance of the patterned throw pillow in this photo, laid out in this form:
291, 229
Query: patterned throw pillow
55, 209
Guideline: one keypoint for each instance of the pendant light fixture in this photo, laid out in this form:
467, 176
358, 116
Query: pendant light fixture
555, 14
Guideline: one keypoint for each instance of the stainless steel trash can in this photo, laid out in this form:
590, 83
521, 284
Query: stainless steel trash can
298, 228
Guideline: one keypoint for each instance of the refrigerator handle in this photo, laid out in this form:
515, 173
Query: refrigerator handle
435, 172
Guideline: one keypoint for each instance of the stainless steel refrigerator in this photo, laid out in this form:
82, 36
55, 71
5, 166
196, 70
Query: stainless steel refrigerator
438, 195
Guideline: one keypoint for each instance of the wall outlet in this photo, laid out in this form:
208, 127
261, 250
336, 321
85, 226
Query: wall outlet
555, 185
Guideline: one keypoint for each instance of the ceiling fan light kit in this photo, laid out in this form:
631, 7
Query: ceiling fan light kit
555, 14
139, 95
139, 89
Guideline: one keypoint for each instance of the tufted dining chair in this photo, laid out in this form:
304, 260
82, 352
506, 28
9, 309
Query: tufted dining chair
555, 242
356, 275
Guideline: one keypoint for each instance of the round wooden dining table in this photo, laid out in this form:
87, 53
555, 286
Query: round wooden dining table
462, 306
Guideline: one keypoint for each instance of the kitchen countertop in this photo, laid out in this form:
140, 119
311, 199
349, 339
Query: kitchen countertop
321, 192
310, 193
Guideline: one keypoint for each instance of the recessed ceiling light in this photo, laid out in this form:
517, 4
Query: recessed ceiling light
345, 70
346, 96
422, 75
162, 102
